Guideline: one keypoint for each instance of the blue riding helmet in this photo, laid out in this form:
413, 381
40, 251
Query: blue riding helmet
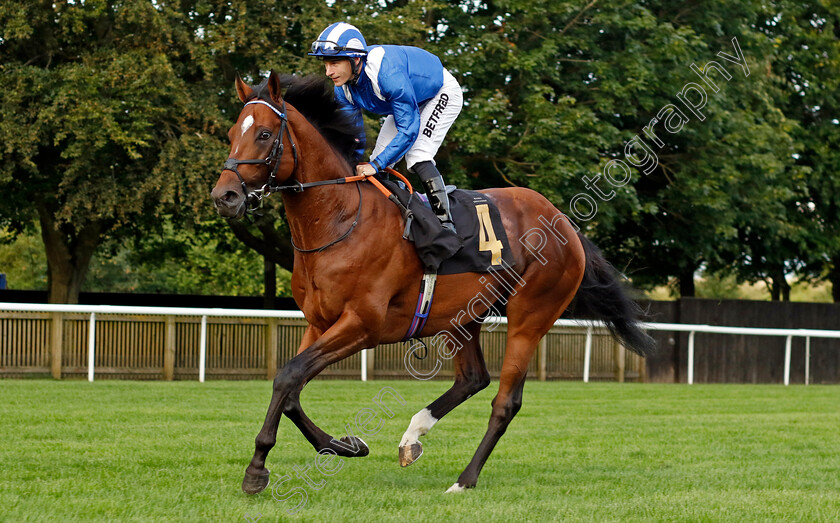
339, 40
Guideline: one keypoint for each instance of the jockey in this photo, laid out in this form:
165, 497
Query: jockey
421, 98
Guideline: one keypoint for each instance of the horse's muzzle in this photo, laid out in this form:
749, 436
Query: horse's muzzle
229, 203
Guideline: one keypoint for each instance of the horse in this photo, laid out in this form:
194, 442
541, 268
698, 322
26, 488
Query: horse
356, 278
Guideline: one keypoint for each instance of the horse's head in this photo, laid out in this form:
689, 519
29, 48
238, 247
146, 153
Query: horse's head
262, 154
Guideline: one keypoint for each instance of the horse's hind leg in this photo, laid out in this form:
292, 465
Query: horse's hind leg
531, 313
471, 376
505, 406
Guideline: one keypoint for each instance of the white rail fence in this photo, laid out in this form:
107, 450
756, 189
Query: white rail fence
93, 310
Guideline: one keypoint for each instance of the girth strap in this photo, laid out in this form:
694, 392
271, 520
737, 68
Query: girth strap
424, 305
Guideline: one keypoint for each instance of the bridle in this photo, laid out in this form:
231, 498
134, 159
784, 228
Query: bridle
253, 199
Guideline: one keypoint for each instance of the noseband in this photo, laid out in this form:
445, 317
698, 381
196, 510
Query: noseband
253, 199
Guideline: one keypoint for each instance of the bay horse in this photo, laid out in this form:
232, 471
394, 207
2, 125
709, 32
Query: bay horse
356, 279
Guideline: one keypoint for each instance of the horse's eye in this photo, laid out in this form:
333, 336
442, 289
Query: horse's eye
265, 135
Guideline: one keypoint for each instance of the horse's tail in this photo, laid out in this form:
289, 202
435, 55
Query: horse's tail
602, 296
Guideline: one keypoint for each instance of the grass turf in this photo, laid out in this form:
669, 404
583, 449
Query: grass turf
154, 451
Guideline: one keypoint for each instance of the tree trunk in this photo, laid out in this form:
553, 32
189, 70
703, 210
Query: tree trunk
774, 291
780, 288
834, 278
69, 251
270, 283
272, 243
687, 289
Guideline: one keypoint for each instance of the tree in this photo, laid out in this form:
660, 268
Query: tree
90, 103
807, 66
114, 114
566, 86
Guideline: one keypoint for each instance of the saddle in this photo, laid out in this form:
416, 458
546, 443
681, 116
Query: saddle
481, 244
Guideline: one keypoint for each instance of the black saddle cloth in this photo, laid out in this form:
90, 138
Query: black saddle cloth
481, 244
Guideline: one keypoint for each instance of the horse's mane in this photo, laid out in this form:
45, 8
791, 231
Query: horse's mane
314, 97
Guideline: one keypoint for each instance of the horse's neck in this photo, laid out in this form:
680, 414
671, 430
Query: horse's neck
316, 214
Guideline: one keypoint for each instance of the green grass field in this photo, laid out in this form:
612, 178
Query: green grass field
155, 451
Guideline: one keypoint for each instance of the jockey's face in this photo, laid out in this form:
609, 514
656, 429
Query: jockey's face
339, 70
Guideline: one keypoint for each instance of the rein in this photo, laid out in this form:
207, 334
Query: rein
345, 235
299, 187
409, 216
253, 199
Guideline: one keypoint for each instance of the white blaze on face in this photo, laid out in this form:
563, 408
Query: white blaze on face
247, 123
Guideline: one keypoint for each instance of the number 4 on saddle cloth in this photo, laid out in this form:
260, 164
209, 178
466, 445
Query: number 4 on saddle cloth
480, 246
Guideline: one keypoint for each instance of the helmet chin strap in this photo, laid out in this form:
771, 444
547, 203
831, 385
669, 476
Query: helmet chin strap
356, 69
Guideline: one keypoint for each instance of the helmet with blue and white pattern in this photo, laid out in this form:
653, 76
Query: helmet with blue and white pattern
339, 40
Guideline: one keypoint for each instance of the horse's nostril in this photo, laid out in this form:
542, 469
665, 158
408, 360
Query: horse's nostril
228, 199
229, 196
228, 203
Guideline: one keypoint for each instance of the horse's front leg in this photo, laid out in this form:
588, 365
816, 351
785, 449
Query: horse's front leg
345, 338
347, 446
350, 447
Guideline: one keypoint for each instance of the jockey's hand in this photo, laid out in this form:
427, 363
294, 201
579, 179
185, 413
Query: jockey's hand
365, 169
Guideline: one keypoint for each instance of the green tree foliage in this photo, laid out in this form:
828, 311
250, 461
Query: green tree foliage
22, 261
173, 261
113, 119
92, 107
557, 90
806, 37
176, 263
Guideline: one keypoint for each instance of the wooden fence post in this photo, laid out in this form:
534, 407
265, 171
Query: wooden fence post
57, 343
169, 350
271, 348
619, 362
541, 357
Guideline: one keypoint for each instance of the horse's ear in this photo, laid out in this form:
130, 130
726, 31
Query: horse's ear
275, 90
242, 89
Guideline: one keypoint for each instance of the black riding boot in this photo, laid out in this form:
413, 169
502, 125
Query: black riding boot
436, 192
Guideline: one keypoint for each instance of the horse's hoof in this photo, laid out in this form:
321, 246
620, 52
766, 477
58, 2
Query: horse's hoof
255, 483
410, 453
350, 447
